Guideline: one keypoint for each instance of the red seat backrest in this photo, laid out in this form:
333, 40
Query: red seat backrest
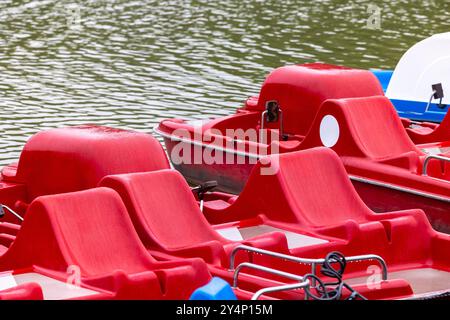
376, 126
309, 188
163, 209
319, 187
301, 89
368, 127
77, 158
87, 229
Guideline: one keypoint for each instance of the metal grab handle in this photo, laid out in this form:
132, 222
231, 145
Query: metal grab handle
261, 129
286, 287
429, 102
301, 284
312, 262
437, 93
18, 216
427, 160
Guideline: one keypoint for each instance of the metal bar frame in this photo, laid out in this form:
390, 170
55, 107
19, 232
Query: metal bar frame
292, 286
312, 262
429, 102
261, 130
286, 287
15, 214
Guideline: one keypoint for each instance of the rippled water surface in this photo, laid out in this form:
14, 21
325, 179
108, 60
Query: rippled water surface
130, 64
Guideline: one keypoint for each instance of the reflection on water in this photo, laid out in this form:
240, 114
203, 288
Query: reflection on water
131, 63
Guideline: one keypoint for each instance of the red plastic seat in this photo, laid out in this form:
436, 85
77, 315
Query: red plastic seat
160, 203
440, 133
168, 219
77, 158
309, 187
311, 190
92, 231
368, 127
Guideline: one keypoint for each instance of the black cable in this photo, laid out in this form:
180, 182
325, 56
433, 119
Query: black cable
331, 290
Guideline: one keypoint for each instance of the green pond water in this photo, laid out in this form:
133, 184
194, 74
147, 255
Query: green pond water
130, 64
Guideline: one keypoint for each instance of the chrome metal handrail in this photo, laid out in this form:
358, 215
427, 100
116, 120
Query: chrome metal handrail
286, 287
18, 216
427, 160
312, 262
261, 129
301, 284
429, 101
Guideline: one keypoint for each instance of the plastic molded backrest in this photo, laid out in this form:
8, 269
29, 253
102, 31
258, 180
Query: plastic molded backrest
76, 158
301, 89
319, 186
163, 209
87, 229
308, 187
368, 127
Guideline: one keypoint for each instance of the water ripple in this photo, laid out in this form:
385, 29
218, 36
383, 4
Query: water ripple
130, 64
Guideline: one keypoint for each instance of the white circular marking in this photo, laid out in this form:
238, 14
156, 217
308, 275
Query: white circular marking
329, 131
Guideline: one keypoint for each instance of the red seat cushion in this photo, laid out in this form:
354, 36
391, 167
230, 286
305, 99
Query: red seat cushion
163, 209
89, 229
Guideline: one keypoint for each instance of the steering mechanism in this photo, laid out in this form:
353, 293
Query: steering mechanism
202, 189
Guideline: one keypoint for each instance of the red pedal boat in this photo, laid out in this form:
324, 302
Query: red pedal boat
82, 245
393, 165
117, 223
62, 237
286, 222
77, 240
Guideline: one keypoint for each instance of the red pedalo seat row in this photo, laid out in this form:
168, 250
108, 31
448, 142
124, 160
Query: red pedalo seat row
76, 244
104, 217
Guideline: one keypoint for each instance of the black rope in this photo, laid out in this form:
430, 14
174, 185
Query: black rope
333, 267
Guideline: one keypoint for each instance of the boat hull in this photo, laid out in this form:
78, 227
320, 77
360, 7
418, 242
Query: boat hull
384, 199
